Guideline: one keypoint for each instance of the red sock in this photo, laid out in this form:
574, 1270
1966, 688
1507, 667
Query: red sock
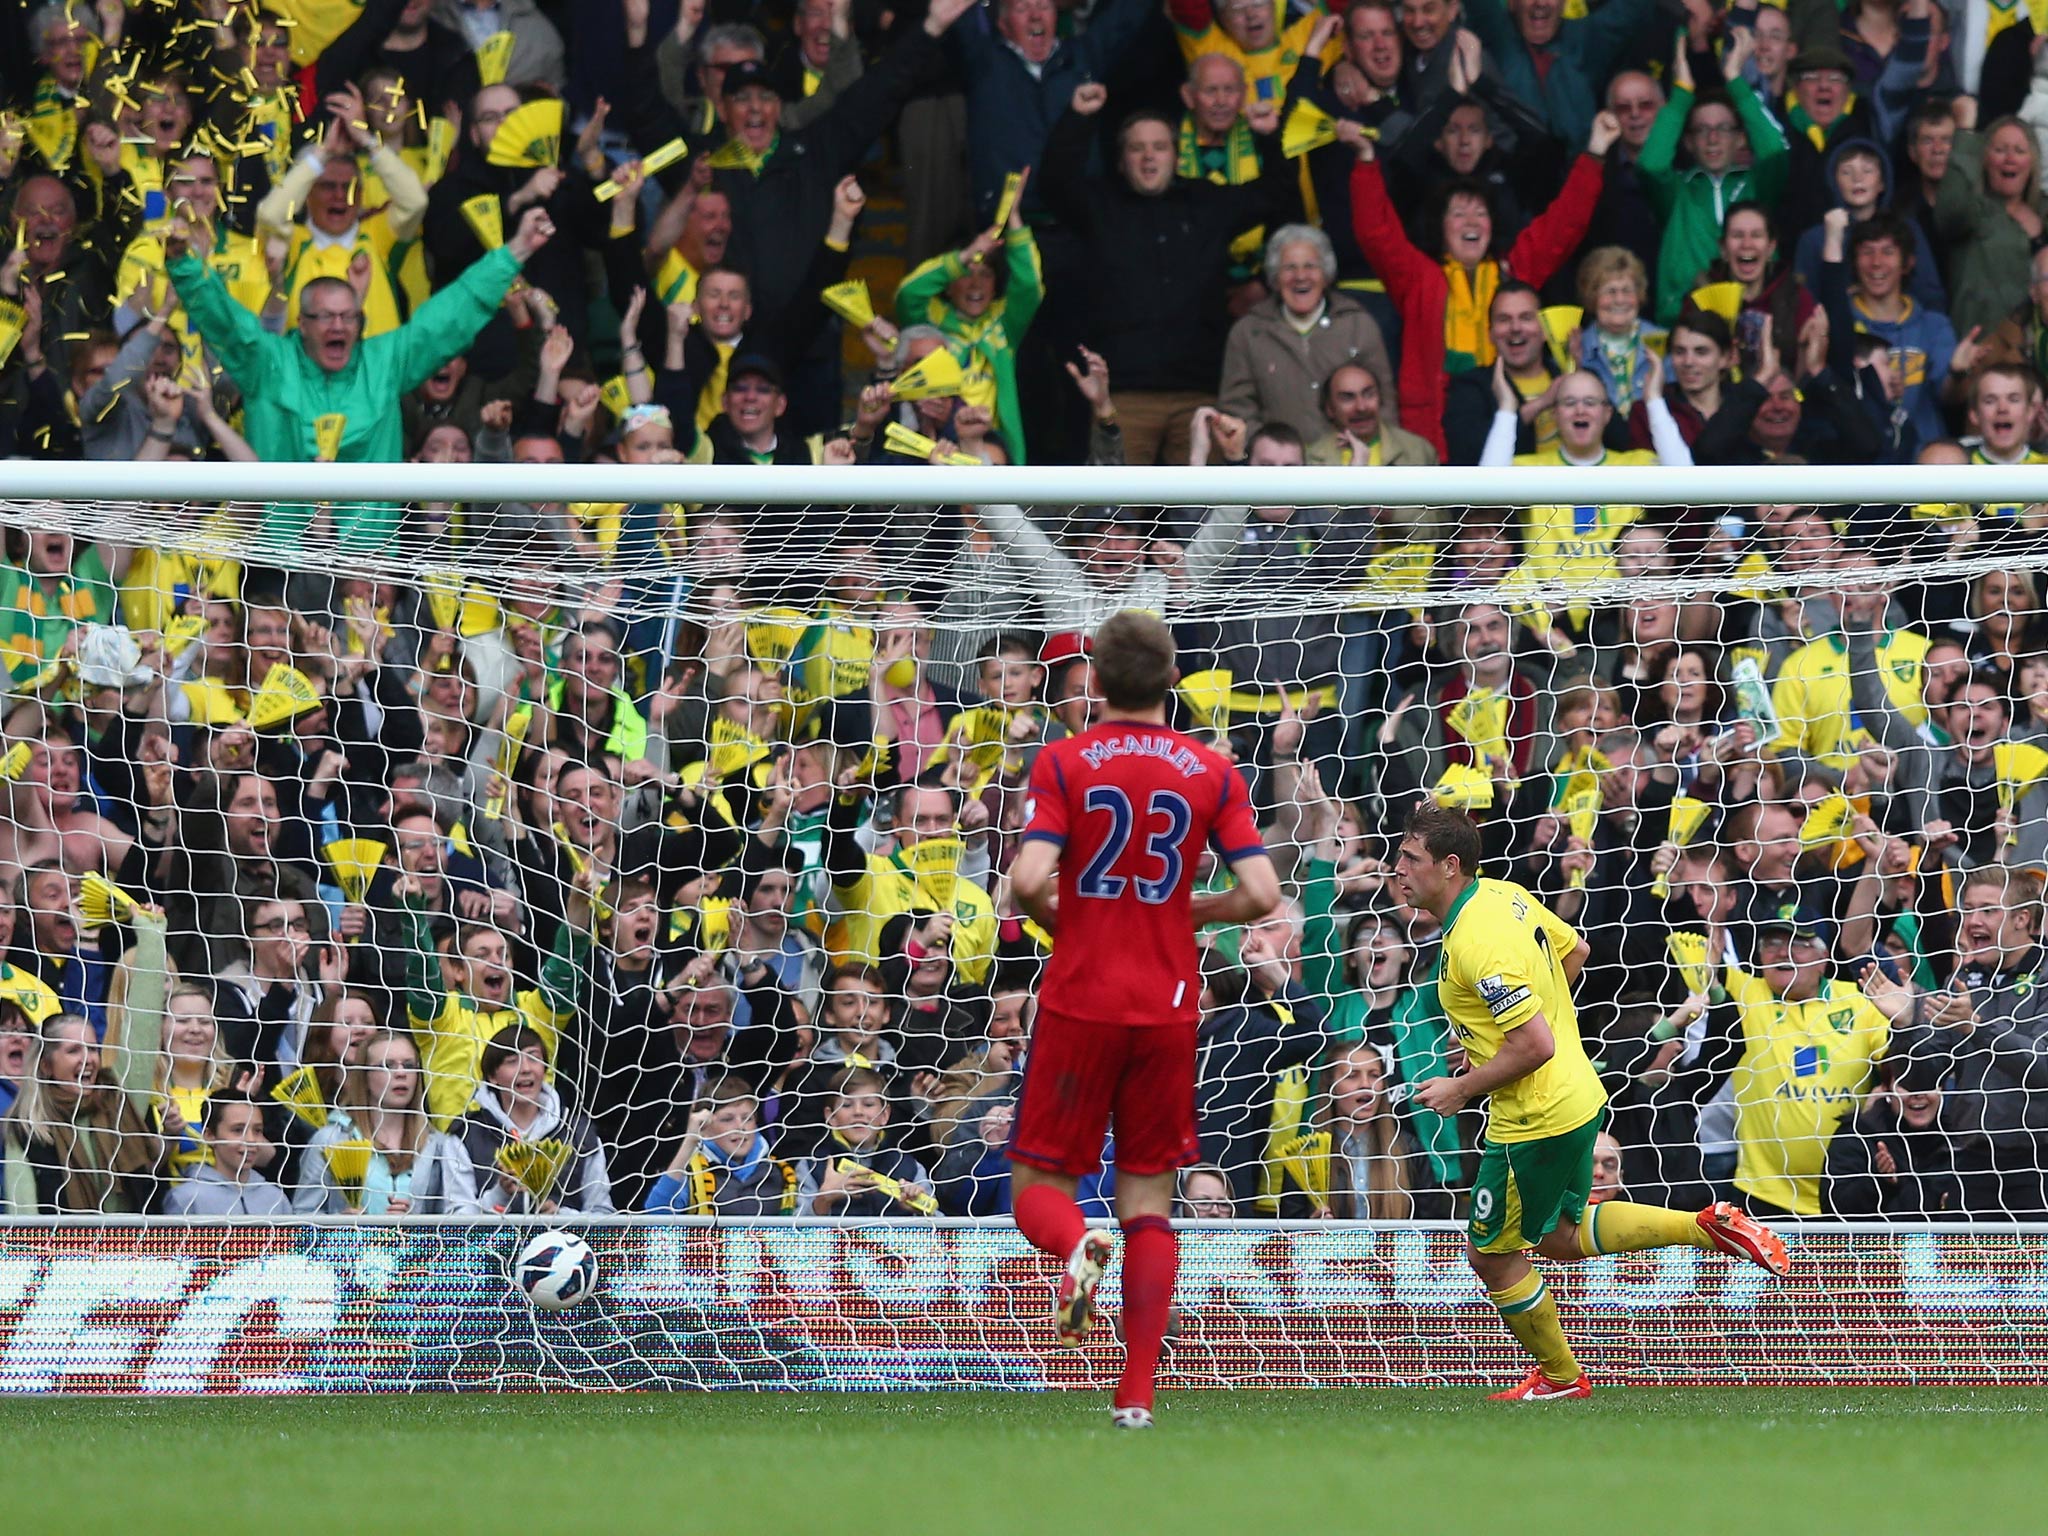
1049, 1220
1151, 1258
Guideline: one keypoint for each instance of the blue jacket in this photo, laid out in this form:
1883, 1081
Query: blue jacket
1924, 340
1009, 112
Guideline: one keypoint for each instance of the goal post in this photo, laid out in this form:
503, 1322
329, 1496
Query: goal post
620, 862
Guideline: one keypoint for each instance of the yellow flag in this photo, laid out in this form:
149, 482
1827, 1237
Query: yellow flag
1559, 321
511, 742
528, 138
939, 374
485, 216
1723, 299
327, 435
660, 160
1308, 127
494, 57
850, 302
1007, 203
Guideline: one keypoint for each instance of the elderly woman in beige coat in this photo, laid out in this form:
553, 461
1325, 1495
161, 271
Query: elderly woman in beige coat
1284, 348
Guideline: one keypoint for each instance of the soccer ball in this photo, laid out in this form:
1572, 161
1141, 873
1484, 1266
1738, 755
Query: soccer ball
556, 1270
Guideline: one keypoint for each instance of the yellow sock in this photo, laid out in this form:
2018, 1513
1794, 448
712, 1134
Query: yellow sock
1615, 1226
1530, 1312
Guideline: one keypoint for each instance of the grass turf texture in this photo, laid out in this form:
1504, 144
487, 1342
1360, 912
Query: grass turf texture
1663, 1462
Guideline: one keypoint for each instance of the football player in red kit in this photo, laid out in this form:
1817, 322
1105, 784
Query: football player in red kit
1119, 817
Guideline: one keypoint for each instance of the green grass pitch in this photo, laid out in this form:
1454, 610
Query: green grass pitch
1656, 1462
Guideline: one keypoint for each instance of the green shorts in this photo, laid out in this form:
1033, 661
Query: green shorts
1525, 1188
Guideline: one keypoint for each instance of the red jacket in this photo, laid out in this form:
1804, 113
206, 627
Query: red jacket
1416, 283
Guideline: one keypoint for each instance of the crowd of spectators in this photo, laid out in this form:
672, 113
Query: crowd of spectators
656, 861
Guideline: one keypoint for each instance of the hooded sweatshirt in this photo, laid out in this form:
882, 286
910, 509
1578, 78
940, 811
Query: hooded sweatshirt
1923, 283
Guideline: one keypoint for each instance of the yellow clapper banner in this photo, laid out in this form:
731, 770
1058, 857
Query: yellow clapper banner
935, 863
494, 58
1013, 184
1688, 815
660, 160
898, 438
1481, 721
1559, 321
355, 862
101, 902
286, 694
1305, 1160
535, 1165
1688, 952
510, 743
1464, 787
937, 375
923, 1204
348, 1163
485, 216
2020, 766
1581, 809
851, 302
528, 138
299, 1092
1308, 127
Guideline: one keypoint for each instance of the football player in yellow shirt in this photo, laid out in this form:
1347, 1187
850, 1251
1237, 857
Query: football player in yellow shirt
1504, 983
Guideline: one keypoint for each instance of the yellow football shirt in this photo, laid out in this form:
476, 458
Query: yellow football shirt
1503, 963
452, 1045
1812, 701
1574, 546
1804, 1067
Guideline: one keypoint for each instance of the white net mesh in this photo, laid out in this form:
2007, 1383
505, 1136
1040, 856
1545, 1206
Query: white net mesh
474, 879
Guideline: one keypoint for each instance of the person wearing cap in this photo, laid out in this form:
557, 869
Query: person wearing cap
1810, 1046
1820, 112
745, 432
780, 179
25, 1001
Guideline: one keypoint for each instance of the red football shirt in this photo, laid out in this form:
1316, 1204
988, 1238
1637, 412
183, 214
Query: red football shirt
1130, 806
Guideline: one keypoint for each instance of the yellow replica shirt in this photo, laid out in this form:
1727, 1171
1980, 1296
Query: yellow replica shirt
1267, 72
1503, 963
308, 260
1804, 1067
159, 581
236, 258
889, 888
1575, 545
452, 1045
1811, 694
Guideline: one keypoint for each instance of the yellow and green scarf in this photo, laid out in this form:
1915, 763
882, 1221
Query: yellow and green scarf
1233, 164
1468, 343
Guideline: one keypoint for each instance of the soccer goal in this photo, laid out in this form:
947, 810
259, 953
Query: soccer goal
406, 860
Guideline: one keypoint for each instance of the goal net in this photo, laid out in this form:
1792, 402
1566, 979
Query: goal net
625, 850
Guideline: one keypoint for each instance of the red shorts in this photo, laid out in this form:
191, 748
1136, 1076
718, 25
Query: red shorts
1081, 1077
